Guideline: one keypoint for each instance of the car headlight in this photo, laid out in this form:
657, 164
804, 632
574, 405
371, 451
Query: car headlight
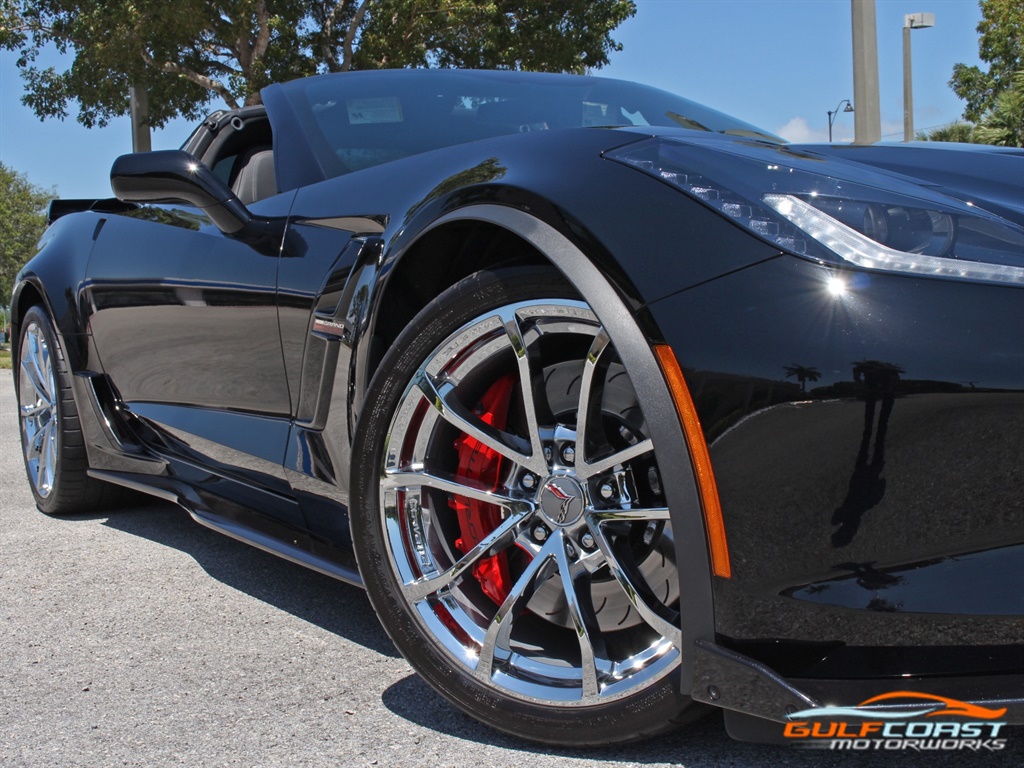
799, 202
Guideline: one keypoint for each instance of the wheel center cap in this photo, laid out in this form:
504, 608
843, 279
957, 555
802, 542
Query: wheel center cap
561, 498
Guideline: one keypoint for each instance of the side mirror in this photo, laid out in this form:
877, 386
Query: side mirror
173, 176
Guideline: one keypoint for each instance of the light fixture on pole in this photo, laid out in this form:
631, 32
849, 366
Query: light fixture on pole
911, 21
832, 115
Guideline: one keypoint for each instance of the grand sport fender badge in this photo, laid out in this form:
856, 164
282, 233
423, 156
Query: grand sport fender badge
330, 327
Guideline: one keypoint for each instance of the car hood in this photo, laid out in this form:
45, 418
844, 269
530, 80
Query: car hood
988, 177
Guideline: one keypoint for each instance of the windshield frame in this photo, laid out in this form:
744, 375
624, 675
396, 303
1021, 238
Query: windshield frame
331, 125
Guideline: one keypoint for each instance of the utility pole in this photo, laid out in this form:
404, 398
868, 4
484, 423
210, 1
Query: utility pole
911, 21
867, 122
139, 107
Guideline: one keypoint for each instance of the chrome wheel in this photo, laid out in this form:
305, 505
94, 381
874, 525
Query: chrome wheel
521, 510
38, 410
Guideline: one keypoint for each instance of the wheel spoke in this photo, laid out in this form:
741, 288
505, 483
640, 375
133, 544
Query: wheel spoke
42, 458
34, 410
44, 444
497, 540
442, 398
467, 488
36, 377
646, 513
598, 346
49, 456
37, 441
32, 449
500, 629
514, 333
41, 353
636, 594
584, 622
619, 457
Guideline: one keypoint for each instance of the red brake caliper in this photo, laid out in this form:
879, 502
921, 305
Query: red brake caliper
482, 465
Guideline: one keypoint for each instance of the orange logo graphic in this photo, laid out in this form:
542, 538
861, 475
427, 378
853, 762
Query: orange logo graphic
952, 706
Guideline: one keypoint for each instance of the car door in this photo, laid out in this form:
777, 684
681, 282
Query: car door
184, 320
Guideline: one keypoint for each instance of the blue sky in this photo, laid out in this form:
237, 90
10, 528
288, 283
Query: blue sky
779, 64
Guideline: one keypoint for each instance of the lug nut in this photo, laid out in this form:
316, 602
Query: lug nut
654, 481
587, 541
649, 532
547, 454
570, 550
569, 454
528, 481
540, 533
607, 490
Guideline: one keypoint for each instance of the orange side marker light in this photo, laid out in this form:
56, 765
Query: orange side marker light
701, 460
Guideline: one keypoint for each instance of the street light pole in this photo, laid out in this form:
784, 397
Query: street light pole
832, 115
868, 121
911, 21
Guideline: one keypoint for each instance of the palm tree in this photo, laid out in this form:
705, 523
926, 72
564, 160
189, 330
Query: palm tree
803, 374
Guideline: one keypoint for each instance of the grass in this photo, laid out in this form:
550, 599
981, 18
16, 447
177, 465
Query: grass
5, 358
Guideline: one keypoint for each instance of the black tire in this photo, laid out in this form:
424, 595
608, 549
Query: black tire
510, 639
52, 446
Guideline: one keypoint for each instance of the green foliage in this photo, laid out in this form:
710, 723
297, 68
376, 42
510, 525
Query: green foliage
22, 220
183, 52
187, 52
1002, 125
539, 35
958, 132
1001, 45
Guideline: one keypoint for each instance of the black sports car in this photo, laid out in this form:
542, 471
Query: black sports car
613, 403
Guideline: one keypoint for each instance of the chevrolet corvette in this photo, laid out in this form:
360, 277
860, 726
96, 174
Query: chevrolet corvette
619, 408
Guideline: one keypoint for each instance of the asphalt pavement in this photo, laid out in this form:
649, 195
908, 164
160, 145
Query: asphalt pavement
136, 637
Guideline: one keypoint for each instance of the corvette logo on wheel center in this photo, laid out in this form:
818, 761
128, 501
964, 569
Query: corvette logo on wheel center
562, 500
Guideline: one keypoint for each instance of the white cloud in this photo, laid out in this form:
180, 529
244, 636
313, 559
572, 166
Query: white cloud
797, 130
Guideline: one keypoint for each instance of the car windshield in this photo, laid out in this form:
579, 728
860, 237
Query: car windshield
361, 119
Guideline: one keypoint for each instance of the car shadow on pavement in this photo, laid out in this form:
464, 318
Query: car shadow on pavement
413, 700
701, 744
332, 605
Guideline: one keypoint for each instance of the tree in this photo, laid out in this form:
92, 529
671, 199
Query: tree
187, 52
1003, 125
539, 35
959, 132
22, 220
1001, 45
183, 52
